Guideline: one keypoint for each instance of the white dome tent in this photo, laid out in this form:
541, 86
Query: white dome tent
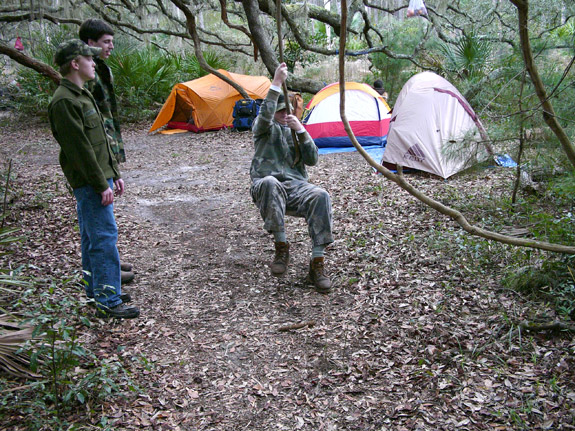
433, 128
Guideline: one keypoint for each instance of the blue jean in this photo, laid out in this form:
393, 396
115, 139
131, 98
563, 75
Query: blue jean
99, 235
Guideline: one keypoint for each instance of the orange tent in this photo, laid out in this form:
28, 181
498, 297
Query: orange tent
207, 103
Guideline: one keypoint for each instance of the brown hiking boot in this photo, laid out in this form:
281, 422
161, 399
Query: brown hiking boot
317, 276
281, 259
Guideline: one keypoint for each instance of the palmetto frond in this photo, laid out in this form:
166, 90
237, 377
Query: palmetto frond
13, 336
468, 55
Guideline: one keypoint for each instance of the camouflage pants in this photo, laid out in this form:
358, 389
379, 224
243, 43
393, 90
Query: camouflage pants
275, 199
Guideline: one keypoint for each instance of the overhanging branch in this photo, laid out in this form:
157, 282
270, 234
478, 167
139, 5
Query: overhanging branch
30, 62
400, 180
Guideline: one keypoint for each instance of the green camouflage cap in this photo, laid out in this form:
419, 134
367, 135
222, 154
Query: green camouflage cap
71, 49
282, 104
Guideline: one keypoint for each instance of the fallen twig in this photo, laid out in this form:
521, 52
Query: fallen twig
556, 325
4, 207
309, 324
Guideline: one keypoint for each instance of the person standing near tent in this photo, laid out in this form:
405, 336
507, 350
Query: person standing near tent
279, 186
378, 86
99, 34
91, 169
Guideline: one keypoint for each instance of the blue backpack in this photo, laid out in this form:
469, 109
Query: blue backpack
245, 112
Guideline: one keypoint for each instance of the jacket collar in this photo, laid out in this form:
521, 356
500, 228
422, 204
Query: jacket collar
70, 85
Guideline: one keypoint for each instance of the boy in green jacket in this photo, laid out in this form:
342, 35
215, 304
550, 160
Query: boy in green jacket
90, 167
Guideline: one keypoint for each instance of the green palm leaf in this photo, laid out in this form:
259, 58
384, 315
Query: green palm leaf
468, 55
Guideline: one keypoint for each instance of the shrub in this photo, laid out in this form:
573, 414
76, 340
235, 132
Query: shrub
34, 91
143, 75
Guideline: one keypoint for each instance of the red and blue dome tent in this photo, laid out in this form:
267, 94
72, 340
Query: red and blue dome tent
367, 112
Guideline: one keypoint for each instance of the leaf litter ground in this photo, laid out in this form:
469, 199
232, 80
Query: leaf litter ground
414, 337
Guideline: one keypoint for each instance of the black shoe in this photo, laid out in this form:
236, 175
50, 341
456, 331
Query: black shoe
125, 297
120, 311
125, 266
126, 276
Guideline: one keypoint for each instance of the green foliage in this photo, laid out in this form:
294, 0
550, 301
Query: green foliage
401, 38
552, 281
48, 41
562, 188
141, 76
294, 54
35, 93
355, 44
468, 55
73, 378
565, 33
560, 87
320, 32
187, 67
144, 76
35, 90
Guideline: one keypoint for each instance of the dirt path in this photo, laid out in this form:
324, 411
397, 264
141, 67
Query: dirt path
413, 338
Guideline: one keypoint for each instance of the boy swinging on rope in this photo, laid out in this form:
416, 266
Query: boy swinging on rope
279, 185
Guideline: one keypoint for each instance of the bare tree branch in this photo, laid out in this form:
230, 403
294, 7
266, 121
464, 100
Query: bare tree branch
191, 25
244, 30
30, 62
30, 16
268, 55
124, 15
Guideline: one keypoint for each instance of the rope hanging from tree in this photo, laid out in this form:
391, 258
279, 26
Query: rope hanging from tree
284, 85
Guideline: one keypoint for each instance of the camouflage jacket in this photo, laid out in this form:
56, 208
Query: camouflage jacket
102, 88
274, 149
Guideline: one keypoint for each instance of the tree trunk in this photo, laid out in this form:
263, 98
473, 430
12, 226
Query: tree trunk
548, 112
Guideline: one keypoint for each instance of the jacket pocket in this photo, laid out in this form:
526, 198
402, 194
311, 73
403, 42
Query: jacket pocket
94, 129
